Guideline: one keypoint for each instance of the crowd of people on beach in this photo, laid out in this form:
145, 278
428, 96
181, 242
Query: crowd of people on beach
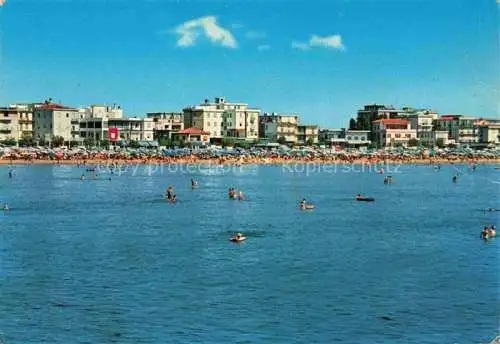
251, 156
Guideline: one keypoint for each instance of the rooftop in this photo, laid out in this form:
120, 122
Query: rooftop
392, 121
193, 131
54, 106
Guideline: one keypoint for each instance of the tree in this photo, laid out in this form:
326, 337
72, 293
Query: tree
165, 142
27, 141
88, 142
310, 141
440, 143
352, 124
281, 140
413, 143
57, 141
9, 142
134, 144
227, 142
104, 144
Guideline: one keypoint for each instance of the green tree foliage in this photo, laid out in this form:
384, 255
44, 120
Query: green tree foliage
413, 143
352, 124
440, 143
281, 140
57, 141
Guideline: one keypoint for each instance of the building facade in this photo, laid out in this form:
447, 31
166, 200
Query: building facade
489, 134
307, 134
223, 119
277, 127
344, 138
166, 123
373, 112
393, 132
423, 123
461, 129
51, 120
9, 124
192, 135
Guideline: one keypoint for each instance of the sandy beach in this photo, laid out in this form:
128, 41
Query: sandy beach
252, 161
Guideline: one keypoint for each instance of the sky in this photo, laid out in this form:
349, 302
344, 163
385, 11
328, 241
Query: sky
322, 59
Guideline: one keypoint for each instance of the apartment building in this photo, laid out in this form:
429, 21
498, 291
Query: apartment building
279, 126
391, 132
307, 134
461, 129
51, 120
223, 119
166, 123
9, 125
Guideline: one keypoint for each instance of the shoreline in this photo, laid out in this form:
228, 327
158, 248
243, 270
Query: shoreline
254, 161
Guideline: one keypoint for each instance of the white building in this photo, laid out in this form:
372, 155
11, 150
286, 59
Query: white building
222, 119
489, 133
423, 123
104, 111
51, 120
344, 137
307, 134
129, 129
391, 132
9, 124
166, 123
133, 129
461, 129
276, 126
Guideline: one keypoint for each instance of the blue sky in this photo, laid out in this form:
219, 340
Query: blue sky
423, 53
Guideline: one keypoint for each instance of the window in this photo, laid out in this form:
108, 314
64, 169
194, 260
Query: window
408, 135
67, 115
398, 135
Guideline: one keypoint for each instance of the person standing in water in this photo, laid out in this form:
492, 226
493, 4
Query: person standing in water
170, 193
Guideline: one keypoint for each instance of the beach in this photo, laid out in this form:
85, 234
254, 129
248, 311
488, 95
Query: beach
253, 161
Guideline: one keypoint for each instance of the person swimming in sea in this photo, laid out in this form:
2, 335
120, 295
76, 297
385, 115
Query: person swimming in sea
454, 179
485, 233
169, 193
194, 183
303, 203
241, 197
492, 231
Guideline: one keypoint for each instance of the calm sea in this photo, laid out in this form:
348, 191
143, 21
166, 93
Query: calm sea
110, 261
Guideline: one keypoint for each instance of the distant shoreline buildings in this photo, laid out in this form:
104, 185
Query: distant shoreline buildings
222, 122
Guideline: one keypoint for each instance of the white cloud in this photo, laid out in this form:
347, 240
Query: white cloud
332, 42
300, 45
263, 47
329, 42
190, 31
255, 35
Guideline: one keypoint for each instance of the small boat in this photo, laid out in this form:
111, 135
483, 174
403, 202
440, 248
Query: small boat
365, 199
308, 206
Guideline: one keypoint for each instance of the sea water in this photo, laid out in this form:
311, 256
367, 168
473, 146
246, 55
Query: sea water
108, 260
